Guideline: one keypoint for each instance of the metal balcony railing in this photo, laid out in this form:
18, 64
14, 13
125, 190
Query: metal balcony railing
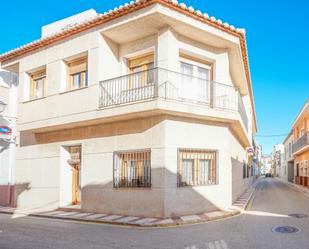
301, 142
166, 84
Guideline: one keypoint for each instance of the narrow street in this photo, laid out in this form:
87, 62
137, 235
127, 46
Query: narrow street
271, 206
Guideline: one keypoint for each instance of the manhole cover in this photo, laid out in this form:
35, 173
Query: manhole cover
299, 216
285, 229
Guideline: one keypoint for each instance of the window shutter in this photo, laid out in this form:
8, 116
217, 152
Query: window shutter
146, 59
77, 67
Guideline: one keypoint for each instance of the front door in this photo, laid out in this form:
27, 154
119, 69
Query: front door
76, 184
75, 164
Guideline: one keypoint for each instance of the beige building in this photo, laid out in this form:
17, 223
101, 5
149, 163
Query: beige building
287, 171
146, 110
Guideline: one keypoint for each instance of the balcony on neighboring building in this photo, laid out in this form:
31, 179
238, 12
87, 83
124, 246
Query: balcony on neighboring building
163, 84
301, 144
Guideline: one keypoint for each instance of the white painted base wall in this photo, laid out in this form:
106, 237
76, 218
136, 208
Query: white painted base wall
43, 178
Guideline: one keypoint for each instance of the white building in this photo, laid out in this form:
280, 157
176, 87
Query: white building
278, 155
266, 164
8, 108
287, 172
146, 110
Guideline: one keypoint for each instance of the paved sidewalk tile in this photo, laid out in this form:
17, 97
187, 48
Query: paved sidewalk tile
164, 222
54, 213
127, 219
215, 214
68, 213
96, 216
190, 218
144, 221
111, 217
81, 215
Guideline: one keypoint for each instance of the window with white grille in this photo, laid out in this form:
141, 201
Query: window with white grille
132, 169
196, 167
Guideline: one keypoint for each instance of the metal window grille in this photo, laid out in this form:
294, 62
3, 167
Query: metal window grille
196, 167
132, 169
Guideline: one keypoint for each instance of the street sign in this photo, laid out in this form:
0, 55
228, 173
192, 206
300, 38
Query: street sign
250, 151
5, 130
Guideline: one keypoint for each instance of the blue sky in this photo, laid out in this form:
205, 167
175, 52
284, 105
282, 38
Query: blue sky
277, 37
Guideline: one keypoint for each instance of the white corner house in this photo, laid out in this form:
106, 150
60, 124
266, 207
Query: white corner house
8, 114
145, 110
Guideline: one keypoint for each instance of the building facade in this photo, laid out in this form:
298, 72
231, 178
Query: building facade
301, 146
266, 164
287, 172
146, 110
277, 160
8, 112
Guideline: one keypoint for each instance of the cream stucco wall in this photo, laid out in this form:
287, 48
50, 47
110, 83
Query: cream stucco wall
41, 178
106, 59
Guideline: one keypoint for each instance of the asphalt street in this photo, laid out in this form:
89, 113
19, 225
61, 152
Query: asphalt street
272, 204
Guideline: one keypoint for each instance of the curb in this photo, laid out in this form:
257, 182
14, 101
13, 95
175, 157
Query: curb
298, 188
178, 222
249, 199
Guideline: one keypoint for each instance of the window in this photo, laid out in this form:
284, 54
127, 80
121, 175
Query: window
196, 167
301, 133
244, 174
195, 79
37, 84
77, 74
142, 71
132, 169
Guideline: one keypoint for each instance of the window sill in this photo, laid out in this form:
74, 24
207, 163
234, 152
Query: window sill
74, 90
194, 186
132, 188
32, 100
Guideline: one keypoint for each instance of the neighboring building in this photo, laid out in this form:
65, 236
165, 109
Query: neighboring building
123, 113
287, 172
266, 164
8, 112
258, 159
277, 158
301, 146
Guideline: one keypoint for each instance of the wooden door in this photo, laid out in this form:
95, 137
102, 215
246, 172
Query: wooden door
76, 184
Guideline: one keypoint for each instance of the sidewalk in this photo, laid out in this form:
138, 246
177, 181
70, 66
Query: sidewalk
300, 188
77, 215
243, 201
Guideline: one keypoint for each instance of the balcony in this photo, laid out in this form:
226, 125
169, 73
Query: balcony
301, 143
159, 83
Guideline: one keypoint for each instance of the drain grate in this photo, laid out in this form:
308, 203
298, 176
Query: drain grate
299, 216
285, 229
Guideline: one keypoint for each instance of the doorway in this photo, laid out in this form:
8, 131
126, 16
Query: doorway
291, 171
74, 162
297, 170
